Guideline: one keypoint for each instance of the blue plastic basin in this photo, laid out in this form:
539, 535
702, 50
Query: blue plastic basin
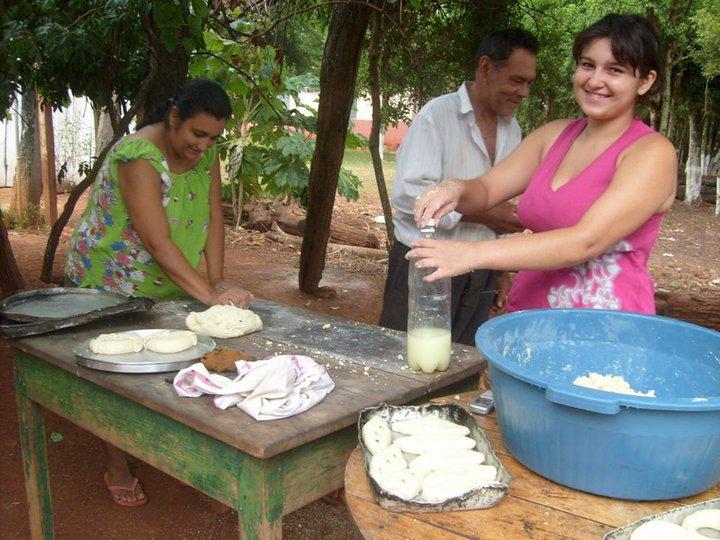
610, 444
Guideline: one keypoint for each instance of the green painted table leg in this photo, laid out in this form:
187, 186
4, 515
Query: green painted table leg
34, 454
260, 501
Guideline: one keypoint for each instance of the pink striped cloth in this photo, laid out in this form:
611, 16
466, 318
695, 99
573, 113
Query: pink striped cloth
278, 387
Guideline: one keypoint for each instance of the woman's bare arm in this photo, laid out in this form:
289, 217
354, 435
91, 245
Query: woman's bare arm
644, 184
140, 187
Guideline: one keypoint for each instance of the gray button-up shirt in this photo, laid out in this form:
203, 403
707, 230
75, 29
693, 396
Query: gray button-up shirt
445, 142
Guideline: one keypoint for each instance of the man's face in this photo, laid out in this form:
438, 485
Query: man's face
506, 84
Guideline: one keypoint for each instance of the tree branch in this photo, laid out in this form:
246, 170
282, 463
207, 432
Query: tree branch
59, 225
245, 76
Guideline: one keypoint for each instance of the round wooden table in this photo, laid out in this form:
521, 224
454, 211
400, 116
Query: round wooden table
533, 507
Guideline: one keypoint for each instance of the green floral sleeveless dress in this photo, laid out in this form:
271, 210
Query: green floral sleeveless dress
106, 252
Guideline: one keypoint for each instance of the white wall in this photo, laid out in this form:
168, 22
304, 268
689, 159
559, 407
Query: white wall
74, 138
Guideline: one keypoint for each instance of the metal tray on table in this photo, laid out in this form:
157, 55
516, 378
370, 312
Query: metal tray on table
676, 516
41, 311
144, 361
483, 497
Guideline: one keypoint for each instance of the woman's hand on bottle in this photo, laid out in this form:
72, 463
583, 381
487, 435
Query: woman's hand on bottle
448, 258
229, 292
437, 201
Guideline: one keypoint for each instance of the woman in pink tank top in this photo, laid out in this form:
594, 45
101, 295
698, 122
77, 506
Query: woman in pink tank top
594, 190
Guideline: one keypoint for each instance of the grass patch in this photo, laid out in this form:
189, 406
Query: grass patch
359, 162
32, 218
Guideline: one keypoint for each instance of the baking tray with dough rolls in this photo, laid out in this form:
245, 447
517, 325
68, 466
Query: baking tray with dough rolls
675, 516
484, 496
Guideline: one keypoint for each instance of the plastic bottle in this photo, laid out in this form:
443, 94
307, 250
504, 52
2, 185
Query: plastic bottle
428, 339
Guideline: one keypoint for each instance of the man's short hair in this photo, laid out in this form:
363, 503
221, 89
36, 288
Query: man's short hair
498, 46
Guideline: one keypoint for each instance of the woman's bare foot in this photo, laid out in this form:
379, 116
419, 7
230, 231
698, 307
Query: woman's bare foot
124, 487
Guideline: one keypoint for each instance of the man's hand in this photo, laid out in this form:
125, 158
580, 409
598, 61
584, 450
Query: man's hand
502, 219
503, 284
437, 201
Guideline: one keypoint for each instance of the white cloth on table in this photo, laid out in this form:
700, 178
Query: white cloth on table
278, 387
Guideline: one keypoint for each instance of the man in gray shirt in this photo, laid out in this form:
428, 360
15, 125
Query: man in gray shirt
461, 135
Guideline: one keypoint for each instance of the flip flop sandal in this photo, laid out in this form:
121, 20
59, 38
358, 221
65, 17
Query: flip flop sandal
116, 490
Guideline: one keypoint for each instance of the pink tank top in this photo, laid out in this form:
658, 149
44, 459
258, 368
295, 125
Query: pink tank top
617, 279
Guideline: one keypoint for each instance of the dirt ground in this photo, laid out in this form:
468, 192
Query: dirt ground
687, 259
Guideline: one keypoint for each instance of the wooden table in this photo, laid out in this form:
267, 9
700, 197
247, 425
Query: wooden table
263, 469
533, 507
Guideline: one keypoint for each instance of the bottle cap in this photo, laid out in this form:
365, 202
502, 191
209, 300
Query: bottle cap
429, 228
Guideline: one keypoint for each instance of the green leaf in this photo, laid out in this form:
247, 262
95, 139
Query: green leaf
355, 140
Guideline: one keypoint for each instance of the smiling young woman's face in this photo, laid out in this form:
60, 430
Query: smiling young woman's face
191, 137
605, 88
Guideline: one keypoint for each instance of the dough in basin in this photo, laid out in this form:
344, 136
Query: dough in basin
170, 341
124, 343
224, 322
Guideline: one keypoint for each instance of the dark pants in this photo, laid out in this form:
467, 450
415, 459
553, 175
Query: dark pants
472, 298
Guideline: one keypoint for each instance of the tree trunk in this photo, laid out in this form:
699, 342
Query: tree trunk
46, 138
376, 29
276, 234
701, 310
666, 92
717, 196
693, 177
674, 105
292, 220
11, 279
706, 137
681, 140
337, 85
27, 186
103, 128
172, 70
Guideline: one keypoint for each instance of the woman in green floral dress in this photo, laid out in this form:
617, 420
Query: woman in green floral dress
155, 210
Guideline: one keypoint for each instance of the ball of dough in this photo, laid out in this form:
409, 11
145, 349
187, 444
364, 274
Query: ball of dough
123, 343
443, 458
659, 530
224, 322
376, 434
170, 341
429, 425
709, 518
422, 444
403, 484
388, 460
441, 485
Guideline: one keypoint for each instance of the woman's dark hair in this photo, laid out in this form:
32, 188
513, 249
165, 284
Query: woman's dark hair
633, 40
498, 46
195, 96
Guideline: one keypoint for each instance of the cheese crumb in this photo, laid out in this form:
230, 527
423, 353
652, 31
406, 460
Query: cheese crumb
609, 383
